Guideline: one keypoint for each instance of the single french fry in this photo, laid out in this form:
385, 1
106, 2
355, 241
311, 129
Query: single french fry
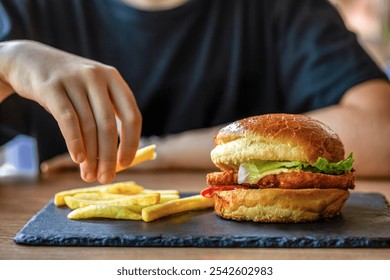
129, 187
76, 203
104, 211
99, 196
196, 202
131, 200
161, 191
142, 155
72, 202
168, 197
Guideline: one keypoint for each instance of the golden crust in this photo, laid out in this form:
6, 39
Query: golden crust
280, 205
288, 180
280, 137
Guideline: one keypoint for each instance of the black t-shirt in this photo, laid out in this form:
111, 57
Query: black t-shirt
206, 62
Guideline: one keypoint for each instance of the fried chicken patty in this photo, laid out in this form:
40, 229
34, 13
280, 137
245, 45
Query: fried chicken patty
288, 180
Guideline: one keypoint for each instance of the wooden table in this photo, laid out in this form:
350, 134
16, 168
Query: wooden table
20, 201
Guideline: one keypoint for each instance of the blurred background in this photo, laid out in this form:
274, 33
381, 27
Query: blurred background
370, 20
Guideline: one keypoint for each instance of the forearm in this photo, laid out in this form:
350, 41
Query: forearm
186, 150
5, 87
364, 128
361, 120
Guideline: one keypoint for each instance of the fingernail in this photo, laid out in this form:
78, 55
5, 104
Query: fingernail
80, 157
125, 162
89, 177
106, 177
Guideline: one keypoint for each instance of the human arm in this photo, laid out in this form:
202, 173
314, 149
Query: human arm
84, 97
186, 150
362, 120
324, 64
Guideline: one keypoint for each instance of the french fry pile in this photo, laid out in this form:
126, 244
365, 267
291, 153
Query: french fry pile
128, 201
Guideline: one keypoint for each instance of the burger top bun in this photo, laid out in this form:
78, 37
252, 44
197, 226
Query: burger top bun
275, 137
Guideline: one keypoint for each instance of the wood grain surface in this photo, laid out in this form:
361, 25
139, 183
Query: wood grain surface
19, 201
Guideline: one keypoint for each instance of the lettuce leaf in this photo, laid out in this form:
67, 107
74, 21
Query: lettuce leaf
336, 168
251, 172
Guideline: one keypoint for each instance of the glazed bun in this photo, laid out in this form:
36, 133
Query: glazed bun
275, 137
280, 205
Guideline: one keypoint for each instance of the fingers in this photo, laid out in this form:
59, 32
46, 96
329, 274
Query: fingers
130, 120
85, 110
107, 136
59, 105
78, 95
96, 103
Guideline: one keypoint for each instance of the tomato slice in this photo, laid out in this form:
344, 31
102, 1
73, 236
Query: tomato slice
209, 192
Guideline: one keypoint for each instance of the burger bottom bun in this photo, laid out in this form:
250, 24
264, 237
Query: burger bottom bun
280, 205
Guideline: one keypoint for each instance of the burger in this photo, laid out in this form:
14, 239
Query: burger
279, 168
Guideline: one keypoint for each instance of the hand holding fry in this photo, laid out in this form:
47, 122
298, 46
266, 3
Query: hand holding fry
64, 161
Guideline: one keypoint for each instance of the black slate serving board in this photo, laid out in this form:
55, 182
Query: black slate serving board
365, 222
